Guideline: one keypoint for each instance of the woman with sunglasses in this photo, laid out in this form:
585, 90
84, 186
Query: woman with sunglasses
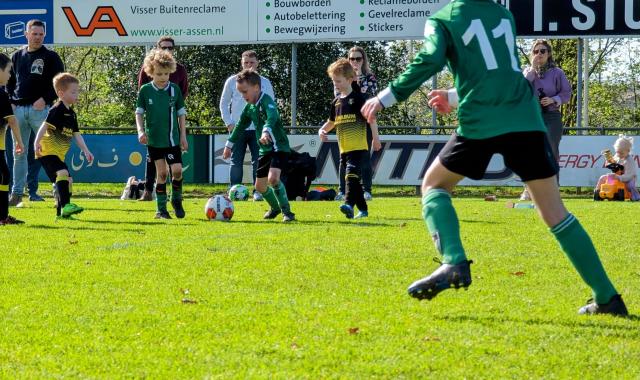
360, 63
553, 90
369, 86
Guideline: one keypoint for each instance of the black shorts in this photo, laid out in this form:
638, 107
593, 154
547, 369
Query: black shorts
277, 160
52, 165
528, 154
4, 170
353, 161
172, 155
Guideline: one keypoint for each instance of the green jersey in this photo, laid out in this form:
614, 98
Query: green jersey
161, 108
264, 115
476, 39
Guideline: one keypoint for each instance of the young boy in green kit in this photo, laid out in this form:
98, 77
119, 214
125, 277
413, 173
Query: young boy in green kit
273, 141
498, 113
161, 123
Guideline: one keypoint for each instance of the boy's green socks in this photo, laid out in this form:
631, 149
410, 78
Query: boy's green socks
442, 222
281, 194
577, 245
161, 196
176, 190
270, 197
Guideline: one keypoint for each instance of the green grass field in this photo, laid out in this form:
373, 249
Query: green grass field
117, 294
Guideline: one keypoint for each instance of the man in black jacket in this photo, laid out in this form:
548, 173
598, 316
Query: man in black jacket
31, 91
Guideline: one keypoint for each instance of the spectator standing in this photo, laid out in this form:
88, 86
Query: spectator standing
231, 105
31, 91
179, 77
553, 90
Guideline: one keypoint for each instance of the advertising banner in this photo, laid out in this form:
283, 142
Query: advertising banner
144, 21
92, 22
403, 160
14, 15
116, 158
340, 20
576, 18
216, 22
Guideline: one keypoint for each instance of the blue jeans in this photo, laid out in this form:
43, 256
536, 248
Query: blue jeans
25, 166
237, 156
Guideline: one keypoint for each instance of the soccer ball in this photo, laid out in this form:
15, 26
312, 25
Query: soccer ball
238, 193
219, 207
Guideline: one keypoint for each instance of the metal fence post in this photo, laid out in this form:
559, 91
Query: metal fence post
294, 87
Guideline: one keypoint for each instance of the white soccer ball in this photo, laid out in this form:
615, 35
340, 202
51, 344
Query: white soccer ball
219, 207
238, 193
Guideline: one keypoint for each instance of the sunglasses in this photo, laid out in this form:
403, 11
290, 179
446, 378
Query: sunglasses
357, 59
166, 47
541, 51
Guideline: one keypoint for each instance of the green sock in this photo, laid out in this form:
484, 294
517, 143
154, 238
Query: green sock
442, 222
176, 189
270, 197
281, 194
577, 245
161, 196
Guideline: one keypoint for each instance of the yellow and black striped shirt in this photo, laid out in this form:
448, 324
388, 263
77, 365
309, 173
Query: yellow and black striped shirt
61, 125
351, 127
6, 112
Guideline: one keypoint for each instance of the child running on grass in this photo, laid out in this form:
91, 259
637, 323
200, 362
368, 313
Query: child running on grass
54, 139
273, 141
161, 122
6, 118
498, 113
352, 134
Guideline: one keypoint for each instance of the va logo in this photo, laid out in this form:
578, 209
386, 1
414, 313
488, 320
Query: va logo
103, 18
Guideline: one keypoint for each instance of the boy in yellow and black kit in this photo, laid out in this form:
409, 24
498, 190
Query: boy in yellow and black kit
352, 134
54, 140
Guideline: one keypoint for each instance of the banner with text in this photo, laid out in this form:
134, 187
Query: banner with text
116, 158
239, 21
403, 160
217, 22
576, 18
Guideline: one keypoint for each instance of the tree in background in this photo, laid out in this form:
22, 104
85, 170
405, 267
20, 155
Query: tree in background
108, 77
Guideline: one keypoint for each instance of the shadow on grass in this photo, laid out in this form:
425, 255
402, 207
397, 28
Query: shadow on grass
69, 227
344, 222
153, 222
403, 219
483, 221
590, 323
120, 209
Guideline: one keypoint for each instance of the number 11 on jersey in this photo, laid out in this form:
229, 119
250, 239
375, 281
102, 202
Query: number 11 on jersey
477, 29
